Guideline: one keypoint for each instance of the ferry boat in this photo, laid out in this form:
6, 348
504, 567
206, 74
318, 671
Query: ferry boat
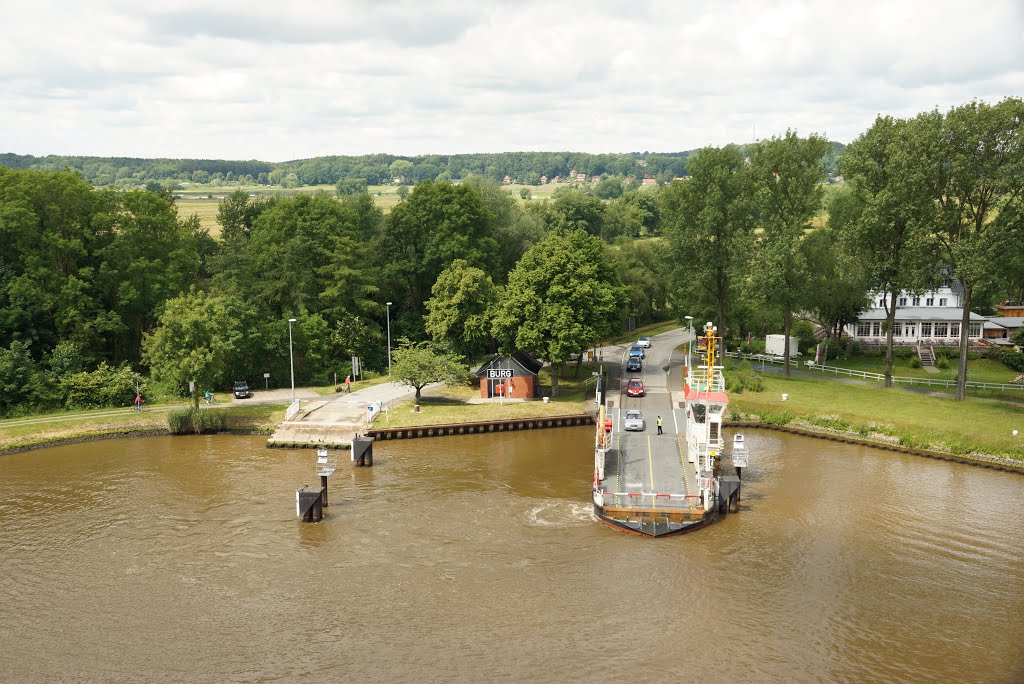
669, 482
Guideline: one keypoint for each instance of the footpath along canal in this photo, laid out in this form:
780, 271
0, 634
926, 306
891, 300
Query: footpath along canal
477, 558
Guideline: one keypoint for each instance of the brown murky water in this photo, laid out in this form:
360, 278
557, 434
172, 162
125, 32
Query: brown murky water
476, 558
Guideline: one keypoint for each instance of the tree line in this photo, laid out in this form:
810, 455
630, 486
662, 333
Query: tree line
105, 287
371, 169
113, 289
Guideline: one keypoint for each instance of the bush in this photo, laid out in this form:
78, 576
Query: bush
196, 421
915, 362
105, 386
804, 332
1013, 360
941, 362
742, 377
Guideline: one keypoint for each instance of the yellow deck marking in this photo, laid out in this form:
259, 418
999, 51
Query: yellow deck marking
650, 462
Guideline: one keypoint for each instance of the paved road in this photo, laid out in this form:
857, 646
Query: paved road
645, 461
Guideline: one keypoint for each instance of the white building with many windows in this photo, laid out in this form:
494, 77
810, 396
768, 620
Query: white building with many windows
931, 318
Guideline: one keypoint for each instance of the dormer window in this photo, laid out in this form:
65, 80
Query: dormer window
930, 301
917, 301
942, 301
903, 301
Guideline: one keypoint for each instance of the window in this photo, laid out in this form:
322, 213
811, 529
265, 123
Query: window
903, 301
930, 301
941, 329
881, 303
942, 301
897, 329
917, 301
876, 329
954, 330
926, 330
863, 329
974, 330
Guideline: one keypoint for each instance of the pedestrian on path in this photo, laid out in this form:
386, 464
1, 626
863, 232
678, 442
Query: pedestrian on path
348, 384
659, 425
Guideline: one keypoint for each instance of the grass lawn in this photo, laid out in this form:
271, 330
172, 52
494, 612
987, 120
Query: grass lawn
439, 410
978, 370
647, 330
916, 420
448, 404
248, 418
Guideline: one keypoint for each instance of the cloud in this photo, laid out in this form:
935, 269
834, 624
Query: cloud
263, 80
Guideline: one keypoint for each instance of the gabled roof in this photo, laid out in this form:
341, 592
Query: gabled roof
526, 364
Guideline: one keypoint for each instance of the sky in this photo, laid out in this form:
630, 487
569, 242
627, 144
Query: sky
281, 81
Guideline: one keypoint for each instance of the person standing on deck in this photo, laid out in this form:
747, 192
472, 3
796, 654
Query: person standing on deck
659, 425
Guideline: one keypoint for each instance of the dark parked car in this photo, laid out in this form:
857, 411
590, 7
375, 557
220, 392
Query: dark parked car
634, 365
242, 390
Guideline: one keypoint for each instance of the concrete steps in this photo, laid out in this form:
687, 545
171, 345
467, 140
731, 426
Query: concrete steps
296, 434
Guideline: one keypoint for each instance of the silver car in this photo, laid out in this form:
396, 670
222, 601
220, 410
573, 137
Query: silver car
634, 420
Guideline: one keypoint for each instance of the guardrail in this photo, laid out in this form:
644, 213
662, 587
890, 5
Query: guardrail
877, 377
292, 410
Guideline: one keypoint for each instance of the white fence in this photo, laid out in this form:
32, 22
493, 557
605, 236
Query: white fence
877, 377
292, 410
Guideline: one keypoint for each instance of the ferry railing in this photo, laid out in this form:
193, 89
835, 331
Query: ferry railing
880, 377
698, 380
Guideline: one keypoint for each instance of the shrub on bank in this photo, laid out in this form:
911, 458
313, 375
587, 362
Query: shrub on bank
196, 421
1013, 360
105, 386
742, 377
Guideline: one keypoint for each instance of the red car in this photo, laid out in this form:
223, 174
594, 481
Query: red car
635, 388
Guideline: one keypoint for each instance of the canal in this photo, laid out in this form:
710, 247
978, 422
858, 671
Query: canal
476, 558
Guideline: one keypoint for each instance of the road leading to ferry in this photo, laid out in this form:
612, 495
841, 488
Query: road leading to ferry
477, 559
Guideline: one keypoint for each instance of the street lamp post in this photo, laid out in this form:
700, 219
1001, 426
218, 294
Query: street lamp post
689, 342
291, 356
388, 304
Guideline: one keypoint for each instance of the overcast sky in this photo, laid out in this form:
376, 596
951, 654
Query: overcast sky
279, 81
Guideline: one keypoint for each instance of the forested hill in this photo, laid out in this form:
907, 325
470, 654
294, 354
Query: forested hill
374, 169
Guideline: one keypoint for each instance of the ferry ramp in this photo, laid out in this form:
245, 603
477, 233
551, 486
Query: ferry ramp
645, 470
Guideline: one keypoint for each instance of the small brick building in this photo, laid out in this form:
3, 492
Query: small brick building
512, 376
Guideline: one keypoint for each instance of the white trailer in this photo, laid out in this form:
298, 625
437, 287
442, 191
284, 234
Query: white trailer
775, 345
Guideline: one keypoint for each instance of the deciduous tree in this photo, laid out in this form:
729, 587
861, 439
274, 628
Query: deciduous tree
561, 298
192, 342
976, 165
418, 365
709, 227
787, 174
883, 220
459, 312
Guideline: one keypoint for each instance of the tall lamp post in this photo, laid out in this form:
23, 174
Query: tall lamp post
388, 304
291, 356
689, 342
